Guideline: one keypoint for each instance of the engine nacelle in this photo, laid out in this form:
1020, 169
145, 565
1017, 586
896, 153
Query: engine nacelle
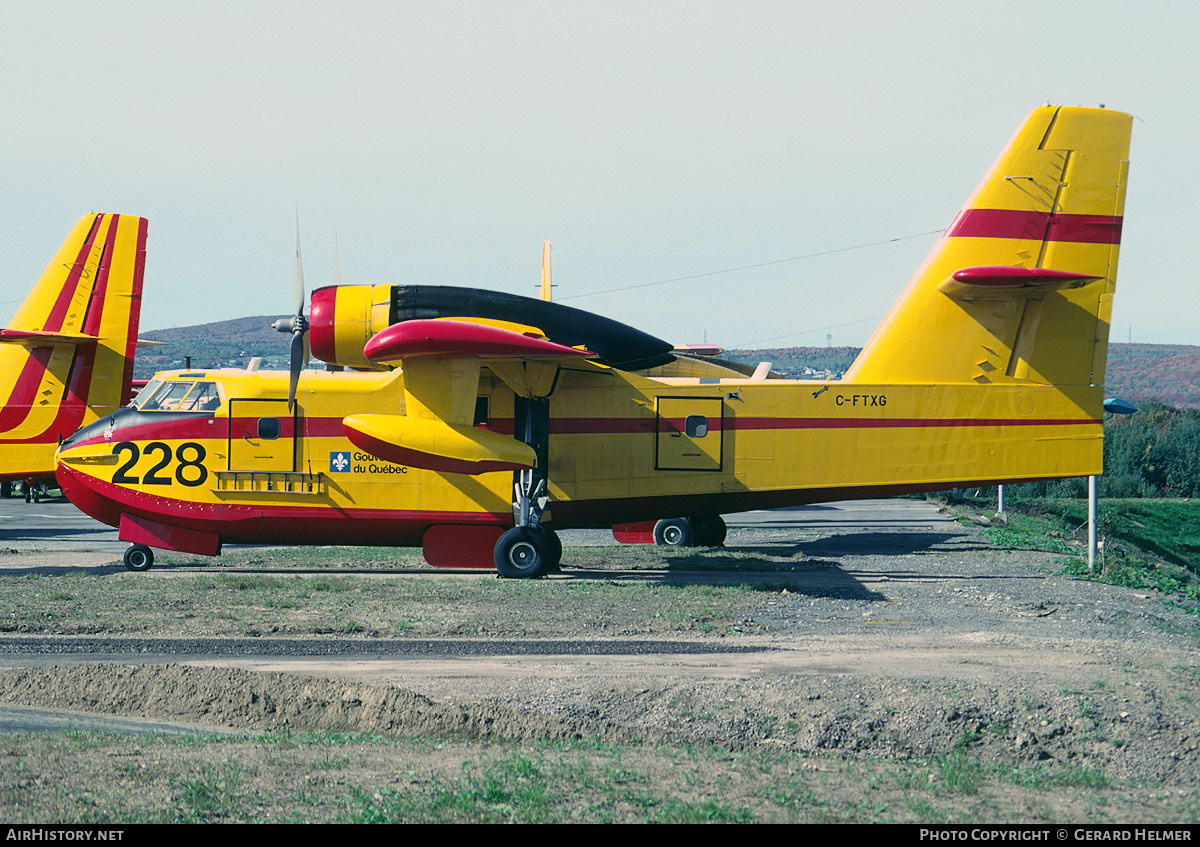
342, 319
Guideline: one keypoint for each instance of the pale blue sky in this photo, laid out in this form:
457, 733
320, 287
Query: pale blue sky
648, 140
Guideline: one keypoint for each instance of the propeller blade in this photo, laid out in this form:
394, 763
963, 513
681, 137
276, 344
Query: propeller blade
337, 265
299, 271
297, 364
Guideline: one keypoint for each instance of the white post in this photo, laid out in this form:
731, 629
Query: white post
1000, 500
1091, 523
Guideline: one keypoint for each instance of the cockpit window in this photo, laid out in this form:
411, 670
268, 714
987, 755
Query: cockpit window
147, 390
178, 397
202, 398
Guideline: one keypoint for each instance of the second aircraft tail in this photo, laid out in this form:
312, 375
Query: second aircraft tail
66, 358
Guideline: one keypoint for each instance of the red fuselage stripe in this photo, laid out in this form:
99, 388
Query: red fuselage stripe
607, 426
201, 428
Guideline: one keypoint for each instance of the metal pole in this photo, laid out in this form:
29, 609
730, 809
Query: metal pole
1000, 500
1091, 523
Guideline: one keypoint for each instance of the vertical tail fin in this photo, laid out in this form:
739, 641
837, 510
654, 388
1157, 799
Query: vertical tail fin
1019, 288
66, 357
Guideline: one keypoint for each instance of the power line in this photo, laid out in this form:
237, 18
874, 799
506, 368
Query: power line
752, 267
753, 344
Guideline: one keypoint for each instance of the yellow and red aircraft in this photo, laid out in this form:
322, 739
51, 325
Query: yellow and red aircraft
475, 424
66, 358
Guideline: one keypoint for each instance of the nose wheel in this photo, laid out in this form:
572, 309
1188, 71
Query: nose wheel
139, 557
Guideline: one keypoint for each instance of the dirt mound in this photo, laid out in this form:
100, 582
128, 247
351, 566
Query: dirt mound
1131, 732
273, 702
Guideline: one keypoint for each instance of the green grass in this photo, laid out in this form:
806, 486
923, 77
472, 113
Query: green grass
1167, 529
1148, 544
382, 605
360, 778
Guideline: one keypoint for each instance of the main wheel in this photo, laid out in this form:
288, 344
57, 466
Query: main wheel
674, 532
710, 531
553, 548
139, 557
521, 553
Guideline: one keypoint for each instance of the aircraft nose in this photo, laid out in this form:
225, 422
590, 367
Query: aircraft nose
84, 490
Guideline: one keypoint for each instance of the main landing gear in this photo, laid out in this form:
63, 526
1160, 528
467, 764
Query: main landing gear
139, 557
708, 531
529, 550
525, 552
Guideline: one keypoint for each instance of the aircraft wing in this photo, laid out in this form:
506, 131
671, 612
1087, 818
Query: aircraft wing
442, 339
441, 360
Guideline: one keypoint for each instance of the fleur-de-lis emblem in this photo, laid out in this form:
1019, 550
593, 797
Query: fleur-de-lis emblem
339, 461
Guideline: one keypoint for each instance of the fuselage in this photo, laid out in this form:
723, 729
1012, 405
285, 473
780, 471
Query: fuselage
210, 457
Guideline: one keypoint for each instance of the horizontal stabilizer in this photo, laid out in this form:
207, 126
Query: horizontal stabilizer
436, 445
37, 338
451, 339
1003, 280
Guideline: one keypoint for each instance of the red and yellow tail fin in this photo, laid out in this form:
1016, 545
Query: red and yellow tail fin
66, 358
1019, 289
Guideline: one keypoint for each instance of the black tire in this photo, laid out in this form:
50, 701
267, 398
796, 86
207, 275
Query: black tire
521, 553
674, 532
710, 531
553, 548
139, 557
5, 490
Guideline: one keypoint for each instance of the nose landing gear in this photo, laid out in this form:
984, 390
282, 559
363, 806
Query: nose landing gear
139, 557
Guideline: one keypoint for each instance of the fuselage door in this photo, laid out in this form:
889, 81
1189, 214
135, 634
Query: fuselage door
689, 434
261, 436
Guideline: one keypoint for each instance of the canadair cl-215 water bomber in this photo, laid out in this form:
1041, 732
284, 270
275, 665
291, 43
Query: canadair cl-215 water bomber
476, 424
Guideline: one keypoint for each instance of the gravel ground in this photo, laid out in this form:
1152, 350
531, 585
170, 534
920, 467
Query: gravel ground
877, 643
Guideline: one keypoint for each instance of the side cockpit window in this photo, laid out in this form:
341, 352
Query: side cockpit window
146, 393
179, 397
202, 398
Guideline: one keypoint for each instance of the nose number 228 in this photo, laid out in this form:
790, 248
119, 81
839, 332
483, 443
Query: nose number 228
188, 456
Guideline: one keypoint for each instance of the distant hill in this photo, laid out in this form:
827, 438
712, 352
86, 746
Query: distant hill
225, 344
1166, 372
